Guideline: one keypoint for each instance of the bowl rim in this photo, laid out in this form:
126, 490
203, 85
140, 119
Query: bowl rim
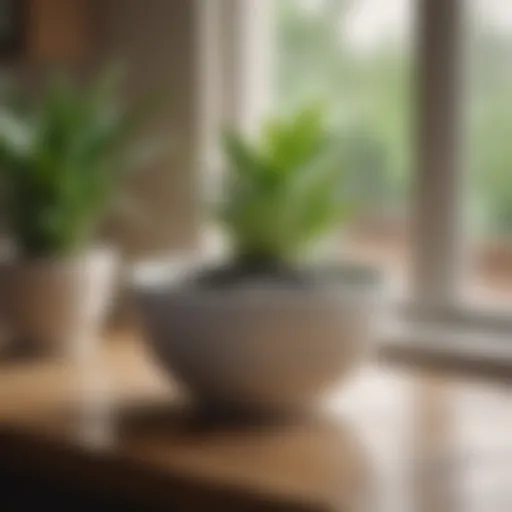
172, 277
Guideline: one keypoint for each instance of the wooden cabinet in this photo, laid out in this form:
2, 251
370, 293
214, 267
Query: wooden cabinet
58, 31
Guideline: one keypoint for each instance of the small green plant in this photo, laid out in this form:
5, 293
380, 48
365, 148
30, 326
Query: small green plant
62, 158
284, 191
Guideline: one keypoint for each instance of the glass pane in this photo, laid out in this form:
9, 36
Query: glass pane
355, 55
489, 107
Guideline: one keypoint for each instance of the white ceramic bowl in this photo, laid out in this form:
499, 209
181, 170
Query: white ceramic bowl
257, 347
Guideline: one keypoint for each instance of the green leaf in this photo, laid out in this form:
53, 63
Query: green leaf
286, 191
293, 141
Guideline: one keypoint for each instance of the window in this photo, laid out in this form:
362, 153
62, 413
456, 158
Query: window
355, 56
489, 114
420, 91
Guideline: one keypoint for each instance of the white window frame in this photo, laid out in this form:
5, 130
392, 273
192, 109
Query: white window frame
234, 58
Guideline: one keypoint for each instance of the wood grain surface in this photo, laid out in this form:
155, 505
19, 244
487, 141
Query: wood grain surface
391, 440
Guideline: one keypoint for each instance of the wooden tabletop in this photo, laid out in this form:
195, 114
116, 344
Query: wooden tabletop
389, 441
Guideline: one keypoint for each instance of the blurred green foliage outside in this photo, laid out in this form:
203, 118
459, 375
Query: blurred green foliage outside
370, 92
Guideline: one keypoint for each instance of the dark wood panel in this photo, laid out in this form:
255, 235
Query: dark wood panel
12, 27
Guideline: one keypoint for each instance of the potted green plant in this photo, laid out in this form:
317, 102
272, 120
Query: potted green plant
269, 329
62, 159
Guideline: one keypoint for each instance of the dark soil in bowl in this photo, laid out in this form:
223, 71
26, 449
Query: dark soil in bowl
275, 275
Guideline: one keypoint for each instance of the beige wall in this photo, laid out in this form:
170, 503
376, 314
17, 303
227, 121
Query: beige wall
156, 40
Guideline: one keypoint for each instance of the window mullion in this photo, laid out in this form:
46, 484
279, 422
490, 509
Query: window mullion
437, 195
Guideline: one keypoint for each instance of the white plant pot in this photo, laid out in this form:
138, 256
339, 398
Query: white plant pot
56, 306
258, 349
